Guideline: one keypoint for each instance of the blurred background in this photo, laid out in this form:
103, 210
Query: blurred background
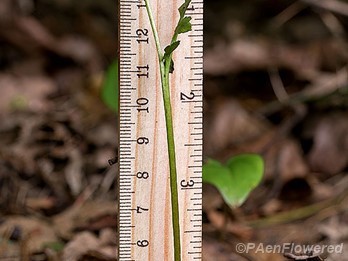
276, 84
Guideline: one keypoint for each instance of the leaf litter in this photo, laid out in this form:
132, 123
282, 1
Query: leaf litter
57, 190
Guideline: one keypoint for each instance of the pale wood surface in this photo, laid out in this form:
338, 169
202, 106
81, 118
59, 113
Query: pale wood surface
155, 225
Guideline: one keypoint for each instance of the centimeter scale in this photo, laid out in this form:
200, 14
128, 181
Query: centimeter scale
145, 225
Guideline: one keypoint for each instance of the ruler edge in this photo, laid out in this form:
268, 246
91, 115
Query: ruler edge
118, 178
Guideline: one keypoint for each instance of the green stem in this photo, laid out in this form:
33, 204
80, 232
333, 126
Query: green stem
154, 30
172, 161
165, 83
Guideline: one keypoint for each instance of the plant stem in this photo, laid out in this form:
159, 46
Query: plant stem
154, 30
165, 83
172, 162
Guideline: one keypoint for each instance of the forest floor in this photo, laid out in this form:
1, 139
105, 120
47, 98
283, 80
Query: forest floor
276, 84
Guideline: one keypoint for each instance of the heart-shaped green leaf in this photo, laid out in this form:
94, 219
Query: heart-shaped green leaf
236, 179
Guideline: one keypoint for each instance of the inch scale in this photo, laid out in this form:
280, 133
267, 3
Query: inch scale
145, 225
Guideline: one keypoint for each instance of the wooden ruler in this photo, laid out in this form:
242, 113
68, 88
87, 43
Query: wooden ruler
145, 225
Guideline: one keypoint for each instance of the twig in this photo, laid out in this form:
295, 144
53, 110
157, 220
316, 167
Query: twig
287, 14
300, 213
324, 86
330, 5
277, 85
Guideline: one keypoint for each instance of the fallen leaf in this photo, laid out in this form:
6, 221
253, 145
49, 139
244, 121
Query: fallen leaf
25, 92
81, 215
34, 233
230, 124
80, 245
330, 144
290, 161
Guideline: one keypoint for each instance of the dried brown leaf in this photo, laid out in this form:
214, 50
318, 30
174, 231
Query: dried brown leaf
330, 150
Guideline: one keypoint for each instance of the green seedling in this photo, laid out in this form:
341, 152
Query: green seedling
235, 179
109, 93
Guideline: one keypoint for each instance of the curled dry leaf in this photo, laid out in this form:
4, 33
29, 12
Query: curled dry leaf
86, 245
216, 250
335, 230
221, 222
80, 245
212, 199
79, 216
330, 149
231, 124
290, 161
32, 234
25, 92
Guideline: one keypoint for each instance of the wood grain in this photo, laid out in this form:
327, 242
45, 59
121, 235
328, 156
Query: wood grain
148, 235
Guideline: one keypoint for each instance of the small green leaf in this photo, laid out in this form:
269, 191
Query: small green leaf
109, 93
170, 49
236, 179
183, 8
184, 25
